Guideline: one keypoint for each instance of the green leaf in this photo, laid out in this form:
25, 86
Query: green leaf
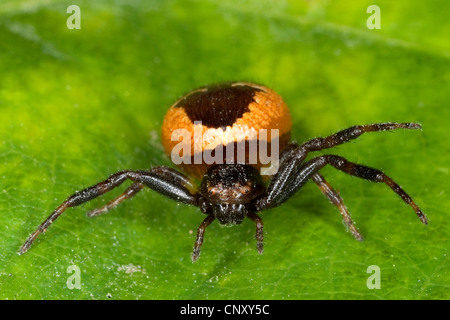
77, 105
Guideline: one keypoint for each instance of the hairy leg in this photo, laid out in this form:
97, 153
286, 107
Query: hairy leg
292, 158
259, 231
147, 178
200, 233
354, 132
166, 173
336, 199
130, 192
301, 175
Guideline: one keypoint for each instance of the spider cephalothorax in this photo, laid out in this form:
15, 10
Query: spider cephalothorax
232, 191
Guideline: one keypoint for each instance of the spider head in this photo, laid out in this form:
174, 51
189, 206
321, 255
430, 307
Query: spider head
229, 214
229, 189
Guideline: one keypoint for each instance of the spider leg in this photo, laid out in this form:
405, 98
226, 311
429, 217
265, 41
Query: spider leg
166, 173
200, 233
130, 192
336, 199
259, 231
292, 157
354, 132
149, 178
302, 174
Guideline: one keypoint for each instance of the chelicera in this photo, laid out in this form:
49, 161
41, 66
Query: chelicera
231, 192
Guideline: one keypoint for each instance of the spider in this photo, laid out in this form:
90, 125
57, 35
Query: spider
232, 191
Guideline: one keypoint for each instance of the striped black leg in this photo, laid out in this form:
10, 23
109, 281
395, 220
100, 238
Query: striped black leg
375, 176
150, 179
259, 231
302, 174
292, 159
200, 234
354, 132
336, 199
130, 192
166, 173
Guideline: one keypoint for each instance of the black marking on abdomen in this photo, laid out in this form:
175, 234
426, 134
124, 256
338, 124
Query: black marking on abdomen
218, 106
